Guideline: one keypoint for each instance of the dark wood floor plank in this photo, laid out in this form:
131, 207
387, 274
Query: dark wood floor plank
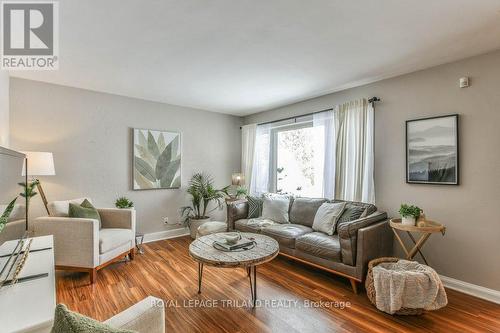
165, 270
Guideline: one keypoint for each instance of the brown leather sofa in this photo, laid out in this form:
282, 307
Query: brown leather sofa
346, 253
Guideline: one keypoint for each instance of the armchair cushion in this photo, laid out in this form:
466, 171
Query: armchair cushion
18, 212
85, 210
61, 208
111, 238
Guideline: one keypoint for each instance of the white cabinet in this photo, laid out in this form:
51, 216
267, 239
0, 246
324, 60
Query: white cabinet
28, 306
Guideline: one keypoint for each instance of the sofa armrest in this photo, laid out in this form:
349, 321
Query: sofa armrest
374, 241
117, 218
236, 210
76, 240
146, 316
348, 233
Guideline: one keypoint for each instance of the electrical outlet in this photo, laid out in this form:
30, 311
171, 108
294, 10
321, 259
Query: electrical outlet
165, 219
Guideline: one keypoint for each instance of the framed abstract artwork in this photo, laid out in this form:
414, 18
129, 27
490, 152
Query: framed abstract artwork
432, 150
156, 159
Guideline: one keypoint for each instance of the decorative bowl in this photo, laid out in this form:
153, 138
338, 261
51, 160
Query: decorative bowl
231, 237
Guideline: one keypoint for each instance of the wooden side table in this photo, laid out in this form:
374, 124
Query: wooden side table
430, 228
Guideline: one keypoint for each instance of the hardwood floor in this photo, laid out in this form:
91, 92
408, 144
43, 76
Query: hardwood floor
166, 271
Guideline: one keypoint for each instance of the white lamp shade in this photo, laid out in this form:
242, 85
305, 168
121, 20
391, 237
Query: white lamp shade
237, 179
39, 164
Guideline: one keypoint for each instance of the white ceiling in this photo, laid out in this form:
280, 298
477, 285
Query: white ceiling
245, 56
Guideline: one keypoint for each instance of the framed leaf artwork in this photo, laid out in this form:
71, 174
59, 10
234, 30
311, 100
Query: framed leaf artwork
157, 159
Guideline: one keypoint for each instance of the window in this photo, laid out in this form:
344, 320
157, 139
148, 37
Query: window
325, 154
297, 154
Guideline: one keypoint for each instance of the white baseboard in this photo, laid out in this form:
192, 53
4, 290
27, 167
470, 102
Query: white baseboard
156, 236
471, 289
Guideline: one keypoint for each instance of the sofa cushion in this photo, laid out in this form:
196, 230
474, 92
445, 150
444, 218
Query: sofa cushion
275, 208
254, 207
286, 234
303, 210
111, 238
320, 245
252, 225
368, 208
351, 213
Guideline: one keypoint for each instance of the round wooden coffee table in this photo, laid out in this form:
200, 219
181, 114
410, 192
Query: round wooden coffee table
203, 251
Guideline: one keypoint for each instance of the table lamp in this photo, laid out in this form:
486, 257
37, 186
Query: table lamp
40, 164
237, 179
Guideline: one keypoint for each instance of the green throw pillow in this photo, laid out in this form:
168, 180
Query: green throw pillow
85, 210
66, 321
254, 207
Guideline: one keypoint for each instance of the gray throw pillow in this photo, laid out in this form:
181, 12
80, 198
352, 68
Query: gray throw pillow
66, 321
254, 207
326, 217
351, 213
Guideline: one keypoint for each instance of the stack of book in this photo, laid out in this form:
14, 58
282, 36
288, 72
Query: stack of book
242, 243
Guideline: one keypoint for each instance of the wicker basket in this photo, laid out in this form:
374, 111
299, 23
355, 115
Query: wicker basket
370, 288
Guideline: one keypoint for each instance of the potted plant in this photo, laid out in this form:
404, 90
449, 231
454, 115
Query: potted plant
124, 202
4, 218
203, 192
409, 214
239, 192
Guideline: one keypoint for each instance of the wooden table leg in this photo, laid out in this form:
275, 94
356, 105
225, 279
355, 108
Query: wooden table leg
400, 242
253, 284
415, 243
200, 276
417, 246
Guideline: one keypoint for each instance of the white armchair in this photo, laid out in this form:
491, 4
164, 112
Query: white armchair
146, 316
79, 244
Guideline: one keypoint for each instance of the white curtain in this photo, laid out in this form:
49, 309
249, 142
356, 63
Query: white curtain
261, 161
248, 133
348, 159
323, 124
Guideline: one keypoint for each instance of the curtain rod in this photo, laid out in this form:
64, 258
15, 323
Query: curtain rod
294, 117
371, 100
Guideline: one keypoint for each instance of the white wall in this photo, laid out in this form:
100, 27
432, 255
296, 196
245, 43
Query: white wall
91, 138
470, 250
4, 108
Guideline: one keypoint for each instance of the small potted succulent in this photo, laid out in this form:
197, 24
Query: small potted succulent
409, 214
124, 202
